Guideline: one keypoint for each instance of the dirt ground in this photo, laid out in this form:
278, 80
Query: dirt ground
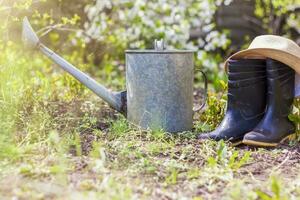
111, 159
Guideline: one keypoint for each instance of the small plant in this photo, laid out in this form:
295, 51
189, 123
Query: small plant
214, 112
276, 191
193, 173
172, 177
235, 162
295, 116
119, 128
228, 157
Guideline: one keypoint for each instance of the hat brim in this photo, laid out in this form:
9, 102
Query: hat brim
279, 55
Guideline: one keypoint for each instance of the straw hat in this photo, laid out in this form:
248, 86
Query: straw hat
277, 48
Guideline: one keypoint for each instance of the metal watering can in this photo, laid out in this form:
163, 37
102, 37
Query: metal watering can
159, 85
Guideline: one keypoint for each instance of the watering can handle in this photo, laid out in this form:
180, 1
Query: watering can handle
205, 92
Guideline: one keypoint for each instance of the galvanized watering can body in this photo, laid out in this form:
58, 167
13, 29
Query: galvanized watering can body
160, 89
159, 85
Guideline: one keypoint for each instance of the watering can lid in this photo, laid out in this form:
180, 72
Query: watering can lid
159, 48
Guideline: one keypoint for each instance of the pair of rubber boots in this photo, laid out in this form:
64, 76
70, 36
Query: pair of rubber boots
260, 97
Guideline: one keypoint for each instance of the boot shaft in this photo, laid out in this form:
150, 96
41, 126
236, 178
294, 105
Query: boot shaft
246, 71
281, 83
246, 65
247, 87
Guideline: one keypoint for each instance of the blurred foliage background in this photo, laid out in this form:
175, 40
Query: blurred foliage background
93, 35
99, 31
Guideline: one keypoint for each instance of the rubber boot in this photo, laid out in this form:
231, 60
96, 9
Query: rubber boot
246, 100
275, 127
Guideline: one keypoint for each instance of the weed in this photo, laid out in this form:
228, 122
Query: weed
214, 113
172, 177
193, 173
119, 128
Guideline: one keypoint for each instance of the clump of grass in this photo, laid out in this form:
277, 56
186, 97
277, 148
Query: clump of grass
295, 116
27, 85
119, 128
214, 112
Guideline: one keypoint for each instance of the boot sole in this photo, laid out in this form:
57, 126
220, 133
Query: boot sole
237, 143
266, 144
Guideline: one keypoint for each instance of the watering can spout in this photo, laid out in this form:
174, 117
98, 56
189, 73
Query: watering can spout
116, 100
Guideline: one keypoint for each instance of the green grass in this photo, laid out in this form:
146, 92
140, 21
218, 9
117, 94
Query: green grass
60, 141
